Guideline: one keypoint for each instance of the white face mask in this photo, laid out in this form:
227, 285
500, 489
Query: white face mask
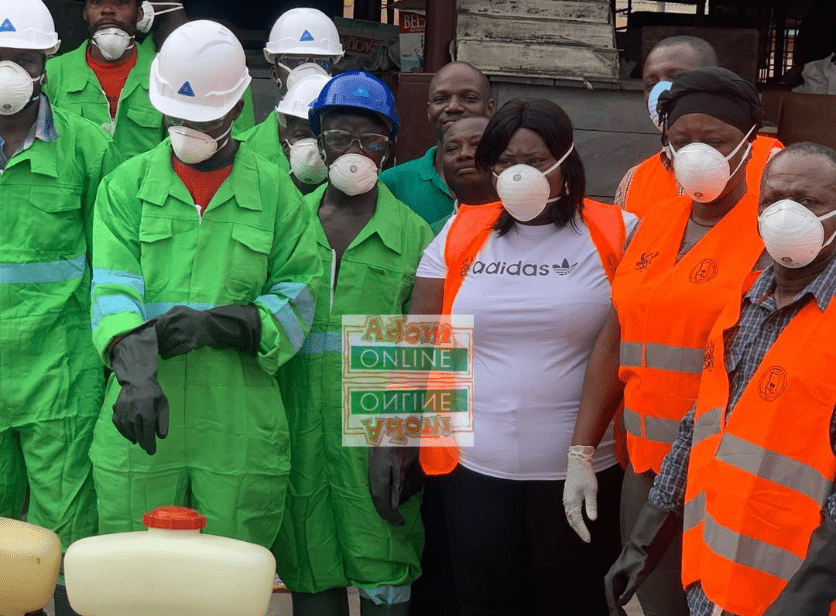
16, 87
304, 70
112, 42
306, 162
792, 234
524, 190
353, 174
192, 146
653, 101
149, 12
703, 171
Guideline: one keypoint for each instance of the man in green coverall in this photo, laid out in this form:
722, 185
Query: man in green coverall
205, 256
81, 81
457, 89
303, 42
370, 245
50, 167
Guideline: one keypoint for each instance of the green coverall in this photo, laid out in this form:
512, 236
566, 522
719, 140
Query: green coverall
332, 536
226, 453
263, 139
73, 86
51, 381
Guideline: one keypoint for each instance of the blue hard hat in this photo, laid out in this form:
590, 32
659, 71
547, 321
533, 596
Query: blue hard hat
355, 89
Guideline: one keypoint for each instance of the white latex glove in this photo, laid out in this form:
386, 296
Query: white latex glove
581, 485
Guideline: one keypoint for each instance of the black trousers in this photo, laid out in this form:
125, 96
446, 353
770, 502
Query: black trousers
514, 552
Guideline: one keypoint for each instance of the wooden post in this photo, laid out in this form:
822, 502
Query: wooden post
440, 32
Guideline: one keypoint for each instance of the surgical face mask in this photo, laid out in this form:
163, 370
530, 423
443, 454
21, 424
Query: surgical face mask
306, 162
653, 101
524, 190
149, 12
112, 42
304, 70
792, 234
353, 174
16, 87
192, 146
703, 171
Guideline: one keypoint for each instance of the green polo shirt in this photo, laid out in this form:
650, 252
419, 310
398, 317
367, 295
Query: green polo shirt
417, 184
263, 139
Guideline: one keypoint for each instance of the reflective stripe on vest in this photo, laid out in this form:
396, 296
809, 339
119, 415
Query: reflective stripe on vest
738, 548
707, 425
774, 467
655, 428
661, 357
41, 273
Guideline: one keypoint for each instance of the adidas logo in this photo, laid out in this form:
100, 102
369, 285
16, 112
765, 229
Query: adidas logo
306, 36
186, 89
7, 26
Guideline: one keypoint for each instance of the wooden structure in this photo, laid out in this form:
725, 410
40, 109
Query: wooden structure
565, 39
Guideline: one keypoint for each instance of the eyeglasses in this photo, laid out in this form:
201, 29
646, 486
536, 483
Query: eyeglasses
291, 62
200, 126
341, 140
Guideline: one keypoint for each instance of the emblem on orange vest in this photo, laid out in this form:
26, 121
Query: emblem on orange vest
708, 360
645, 260
772, 383
704, 271
612, 261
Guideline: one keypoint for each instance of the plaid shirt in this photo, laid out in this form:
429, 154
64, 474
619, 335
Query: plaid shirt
43, 129
756, 331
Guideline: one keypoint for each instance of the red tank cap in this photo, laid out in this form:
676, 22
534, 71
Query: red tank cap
174, 518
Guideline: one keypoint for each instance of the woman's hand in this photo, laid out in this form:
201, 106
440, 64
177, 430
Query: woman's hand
581, 485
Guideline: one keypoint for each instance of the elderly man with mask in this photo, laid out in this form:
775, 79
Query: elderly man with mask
203, 281
51, 163
653, 179
753, 467
340, 527
456, 89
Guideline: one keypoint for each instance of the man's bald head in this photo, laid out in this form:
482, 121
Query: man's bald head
674, 55
457, 89
826, 157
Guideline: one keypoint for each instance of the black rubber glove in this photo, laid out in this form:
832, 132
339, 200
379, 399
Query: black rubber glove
183, 329
813, 587
141, 410
653, 532
394, 477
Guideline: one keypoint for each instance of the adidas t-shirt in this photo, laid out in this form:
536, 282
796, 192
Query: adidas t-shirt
539, 296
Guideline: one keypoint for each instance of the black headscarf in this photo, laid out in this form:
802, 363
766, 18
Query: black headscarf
714, 91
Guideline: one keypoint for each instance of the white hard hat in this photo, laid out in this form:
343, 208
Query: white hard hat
200, 72
297, 101
27, 24
303, 32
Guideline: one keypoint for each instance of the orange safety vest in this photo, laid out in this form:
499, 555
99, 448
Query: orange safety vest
758, 481
652, 183
666, 309
468, 232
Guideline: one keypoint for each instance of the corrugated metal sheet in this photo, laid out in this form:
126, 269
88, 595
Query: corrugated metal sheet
563, 39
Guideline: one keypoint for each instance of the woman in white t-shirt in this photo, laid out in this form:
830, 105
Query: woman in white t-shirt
539, 293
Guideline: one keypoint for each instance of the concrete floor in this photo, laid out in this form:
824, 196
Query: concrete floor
280, 606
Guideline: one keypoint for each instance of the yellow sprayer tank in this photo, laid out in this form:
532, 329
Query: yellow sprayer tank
30, 557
